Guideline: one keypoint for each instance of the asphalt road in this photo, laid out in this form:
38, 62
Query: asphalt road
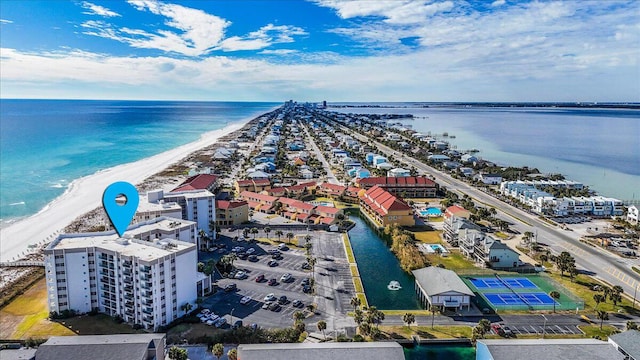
331, 178
606, 266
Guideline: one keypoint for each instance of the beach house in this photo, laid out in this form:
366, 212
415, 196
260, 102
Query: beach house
487, 251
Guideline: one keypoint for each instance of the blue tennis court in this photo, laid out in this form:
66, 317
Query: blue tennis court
519, 299
494, 283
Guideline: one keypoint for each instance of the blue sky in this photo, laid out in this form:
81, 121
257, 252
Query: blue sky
339, 50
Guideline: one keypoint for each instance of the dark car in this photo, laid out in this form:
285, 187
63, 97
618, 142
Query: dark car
253, 258
230, 288
273, 282
306, 289
306, 266
260, 278
273, 251
243, 256
305, 282
274, 306
276, 257
282, 300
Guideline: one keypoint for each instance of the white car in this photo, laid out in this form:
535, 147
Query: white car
286, 277
251, 251
282, 246
220, 322
270, 297
240, 275
214, 317
245, 300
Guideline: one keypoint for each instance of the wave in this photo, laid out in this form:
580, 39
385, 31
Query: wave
57, 186
17, 203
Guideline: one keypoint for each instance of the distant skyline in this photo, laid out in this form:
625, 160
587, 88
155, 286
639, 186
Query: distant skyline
338, 50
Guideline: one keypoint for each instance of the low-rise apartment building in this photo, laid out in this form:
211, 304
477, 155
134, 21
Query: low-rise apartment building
484, 249
407, 187
384, 208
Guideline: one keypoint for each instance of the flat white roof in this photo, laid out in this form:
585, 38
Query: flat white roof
162, 223
143, 250
145, 206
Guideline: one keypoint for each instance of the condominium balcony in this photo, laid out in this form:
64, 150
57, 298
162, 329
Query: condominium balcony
128, 288
148, 302
147, 318
128, 279
145, 277
128, 296
147, 311
145, 269
145, 286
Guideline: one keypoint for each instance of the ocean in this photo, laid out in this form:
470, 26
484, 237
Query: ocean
599, 147
46, 144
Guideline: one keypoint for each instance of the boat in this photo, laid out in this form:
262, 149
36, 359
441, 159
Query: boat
394, 285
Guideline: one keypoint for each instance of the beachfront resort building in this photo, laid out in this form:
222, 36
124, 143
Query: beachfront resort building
383, 208
441, 288
197, 205
144, 282
407, 186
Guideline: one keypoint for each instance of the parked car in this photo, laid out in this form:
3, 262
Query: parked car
506, 330
286, 277
266, 305
251, 251
221, 322
274, 251
254, 326
306, 266
497, 329
277, 257
240, 275
230, 288
306, 289
272, 282
282, 300
245, 300
273, 263
260, 278
305, 282
243, 256
253, 258
274, 306
297, 303
237, 324
283, 247
270, 297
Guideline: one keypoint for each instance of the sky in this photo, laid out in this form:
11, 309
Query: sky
334, 50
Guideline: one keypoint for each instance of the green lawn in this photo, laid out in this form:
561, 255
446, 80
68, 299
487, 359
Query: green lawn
453, 261
347, 246
581, 287
426, 332
429, 237
358, 284
591, 331
100, 324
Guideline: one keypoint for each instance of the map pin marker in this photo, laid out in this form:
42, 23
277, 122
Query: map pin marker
120, 214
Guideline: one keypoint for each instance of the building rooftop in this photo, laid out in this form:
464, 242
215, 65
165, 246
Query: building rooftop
557, 349
322, 351
109, 240
398, 181
162, 223
225, 204
197, 182
145, 206
435, 280
629, 341
100, 347
190, 194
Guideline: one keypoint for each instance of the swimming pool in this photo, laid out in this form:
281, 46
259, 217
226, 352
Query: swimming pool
431, 212
432, 248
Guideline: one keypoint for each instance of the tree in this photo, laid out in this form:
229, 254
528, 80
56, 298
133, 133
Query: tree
409, 319
322, 326
555, 296
602, 316
632, 325
290, 237
232, 354
186, 307
279, 233
176, 353
615, 298
246, 232
254, 231
203, 237
485, 326
218, 350
527, 236
358, 316
564, 262
598, 298
200, 267
298, 316
308, 247
267, 230
355, 302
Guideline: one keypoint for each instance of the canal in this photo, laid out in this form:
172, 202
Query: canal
378, 266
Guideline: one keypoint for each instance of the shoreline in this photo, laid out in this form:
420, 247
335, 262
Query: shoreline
84, 194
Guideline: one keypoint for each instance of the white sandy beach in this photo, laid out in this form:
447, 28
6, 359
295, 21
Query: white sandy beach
85, 194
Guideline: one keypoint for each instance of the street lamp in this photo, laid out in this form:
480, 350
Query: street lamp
544, 327
231, 315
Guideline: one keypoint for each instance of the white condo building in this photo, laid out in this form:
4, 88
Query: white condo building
153, 205
197, 205
164, 228
144, 282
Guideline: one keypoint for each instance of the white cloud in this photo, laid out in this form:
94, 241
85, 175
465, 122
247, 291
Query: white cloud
198, 32
498, 3
5, 21
264, 37
394, 12
278, 52
94, 9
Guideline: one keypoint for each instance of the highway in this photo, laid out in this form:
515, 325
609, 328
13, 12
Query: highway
606, 266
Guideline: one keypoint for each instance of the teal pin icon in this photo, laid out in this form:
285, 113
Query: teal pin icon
120, 213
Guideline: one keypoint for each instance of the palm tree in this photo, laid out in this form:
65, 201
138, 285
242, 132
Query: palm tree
298, 316
598, 298
186, 307
254, 231
232, 354
267, 230
358, 316
307, 240
555, 296
602, 316
355, 301
409, 319
176, 353
218, 350
246, 232
279, 233
632, 325
307, 247
290, 237
322, 326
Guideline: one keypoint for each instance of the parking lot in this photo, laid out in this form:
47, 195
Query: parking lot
228, 303
549, 329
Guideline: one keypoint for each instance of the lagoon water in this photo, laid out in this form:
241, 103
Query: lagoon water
599, 147
46, 144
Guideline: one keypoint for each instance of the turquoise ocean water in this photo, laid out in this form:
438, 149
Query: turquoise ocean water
46, 144
599, 147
